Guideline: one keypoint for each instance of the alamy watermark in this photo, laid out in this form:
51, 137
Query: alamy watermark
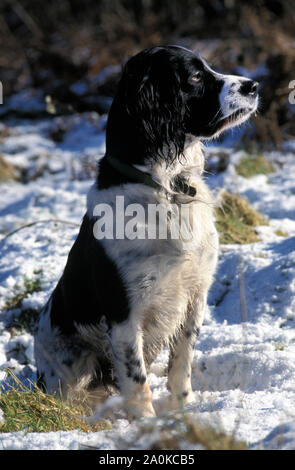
148, 222
1, 93
292, 93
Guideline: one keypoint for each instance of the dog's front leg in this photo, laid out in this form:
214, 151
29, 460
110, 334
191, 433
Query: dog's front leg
127, 347
182, 353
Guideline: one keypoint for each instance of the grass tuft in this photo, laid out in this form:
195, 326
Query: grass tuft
7, 171
281, 233
30, 286
210, 438
181, 430
251, 165
34, 411
236, 220
27, 318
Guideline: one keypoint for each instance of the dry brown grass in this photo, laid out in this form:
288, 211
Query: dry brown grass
251, 165
236, 220
181, 431
7, 171
32, 410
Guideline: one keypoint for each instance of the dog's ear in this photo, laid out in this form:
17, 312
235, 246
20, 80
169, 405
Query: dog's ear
154, 101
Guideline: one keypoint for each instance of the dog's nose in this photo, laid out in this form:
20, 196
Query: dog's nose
249, 87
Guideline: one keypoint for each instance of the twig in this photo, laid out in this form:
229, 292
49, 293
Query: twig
61, 221
26, 18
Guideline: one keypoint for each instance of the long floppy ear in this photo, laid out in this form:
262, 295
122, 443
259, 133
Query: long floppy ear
154, 102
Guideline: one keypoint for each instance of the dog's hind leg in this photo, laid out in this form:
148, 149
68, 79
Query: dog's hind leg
182, 352
127, 348
63, 365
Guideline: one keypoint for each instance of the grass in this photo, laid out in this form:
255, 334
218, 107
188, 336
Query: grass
30, 286
210, 438
281, 233
251, 165
29, 408
236, 220
182, 430
7, 171
34, 411
279, 347
27, 318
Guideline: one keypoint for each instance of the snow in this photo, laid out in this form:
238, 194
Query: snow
243, 371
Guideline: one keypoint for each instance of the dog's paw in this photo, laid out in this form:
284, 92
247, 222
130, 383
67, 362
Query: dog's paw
139, 403
136, 411
188, 397
182, 399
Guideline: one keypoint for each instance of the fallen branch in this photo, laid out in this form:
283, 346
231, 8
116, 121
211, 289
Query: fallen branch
61, 221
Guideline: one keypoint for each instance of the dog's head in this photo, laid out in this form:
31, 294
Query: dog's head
170, 92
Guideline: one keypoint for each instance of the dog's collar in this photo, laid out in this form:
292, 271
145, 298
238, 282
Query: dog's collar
179, 185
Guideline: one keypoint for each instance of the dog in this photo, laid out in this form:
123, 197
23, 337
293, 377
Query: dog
123, 297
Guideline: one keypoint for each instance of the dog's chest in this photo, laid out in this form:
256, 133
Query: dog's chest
162, 275
161, 278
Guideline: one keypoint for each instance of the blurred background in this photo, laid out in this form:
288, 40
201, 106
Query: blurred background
69, 53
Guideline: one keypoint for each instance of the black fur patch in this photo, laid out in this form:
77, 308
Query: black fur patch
133, 366
140, 379
90, 287
103, 375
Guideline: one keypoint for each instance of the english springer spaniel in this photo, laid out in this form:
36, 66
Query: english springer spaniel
129, 288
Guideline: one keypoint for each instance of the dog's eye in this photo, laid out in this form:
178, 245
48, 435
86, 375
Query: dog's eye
197, 77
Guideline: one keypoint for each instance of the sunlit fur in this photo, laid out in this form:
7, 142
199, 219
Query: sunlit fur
120, 301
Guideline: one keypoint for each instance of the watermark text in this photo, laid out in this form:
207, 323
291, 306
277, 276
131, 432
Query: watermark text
135, 221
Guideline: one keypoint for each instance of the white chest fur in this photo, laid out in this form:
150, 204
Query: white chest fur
162, 275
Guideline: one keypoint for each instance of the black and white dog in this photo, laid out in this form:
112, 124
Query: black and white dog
122, 297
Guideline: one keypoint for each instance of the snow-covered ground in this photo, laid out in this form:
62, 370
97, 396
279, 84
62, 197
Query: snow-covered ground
243, 372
